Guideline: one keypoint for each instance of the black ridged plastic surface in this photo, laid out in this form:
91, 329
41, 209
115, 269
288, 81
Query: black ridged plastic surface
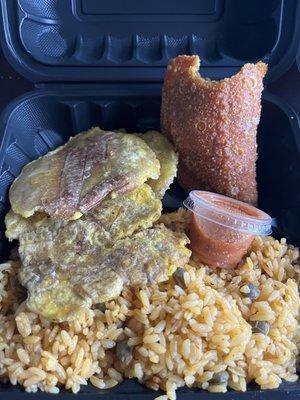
131, 390
132, 40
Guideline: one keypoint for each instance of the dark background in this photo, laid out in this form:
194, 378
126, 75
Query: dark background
13, 85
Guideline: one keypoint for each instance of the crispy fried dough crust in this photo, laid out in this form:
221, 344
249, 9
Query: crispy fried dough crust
213, 127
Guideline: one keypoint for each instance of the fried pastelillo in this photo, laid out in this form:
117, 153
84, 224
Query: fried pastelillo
213, 126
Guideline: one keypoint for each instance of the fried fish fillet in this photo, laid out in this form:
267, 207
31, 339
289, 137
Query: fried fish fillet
58, 292
167, 157
76, 177
213, 126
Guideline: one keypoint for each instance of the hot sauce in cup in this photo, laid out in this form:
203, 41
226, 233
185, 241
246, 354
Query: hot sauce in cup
222, 229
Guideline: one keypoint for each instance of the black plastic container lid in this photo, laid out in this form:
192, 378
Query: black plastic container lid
132, 40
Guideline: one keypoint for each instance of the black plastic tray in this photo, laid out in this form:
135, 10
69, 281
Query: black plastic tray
41, 120
74, 49
131, 390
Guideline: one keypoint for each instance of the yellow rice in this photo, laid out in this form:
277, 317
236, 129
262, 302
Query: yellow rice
179, 336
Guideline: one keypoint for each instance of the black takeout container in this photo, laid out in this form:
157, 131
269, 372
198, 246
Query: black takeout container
102, 63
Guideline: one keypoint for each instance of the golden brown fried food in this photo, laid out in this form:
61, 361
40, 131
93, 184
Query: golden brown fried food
65, 242
167, 157
213, 127
58, 292
71, 261
67, 265
75, 178
152, 254
54, 298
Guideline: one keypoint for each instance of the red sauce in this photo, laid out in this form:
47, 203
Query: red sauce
217, 245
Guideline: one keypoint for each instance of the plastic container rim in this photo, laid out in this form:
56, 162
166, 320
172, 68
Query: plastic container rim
242, 223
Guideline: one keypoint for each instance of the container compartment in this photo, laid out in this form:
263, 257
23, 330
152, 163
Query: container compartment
40, 122
46, 34
59, 40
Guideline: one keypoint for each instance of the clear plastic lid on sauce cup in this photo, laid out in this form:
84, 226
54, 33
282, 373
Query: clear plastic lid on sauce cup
223, 228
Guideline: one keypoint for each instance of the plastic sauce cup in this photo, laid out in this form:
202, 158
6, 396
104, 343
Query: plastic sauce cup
222, 229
